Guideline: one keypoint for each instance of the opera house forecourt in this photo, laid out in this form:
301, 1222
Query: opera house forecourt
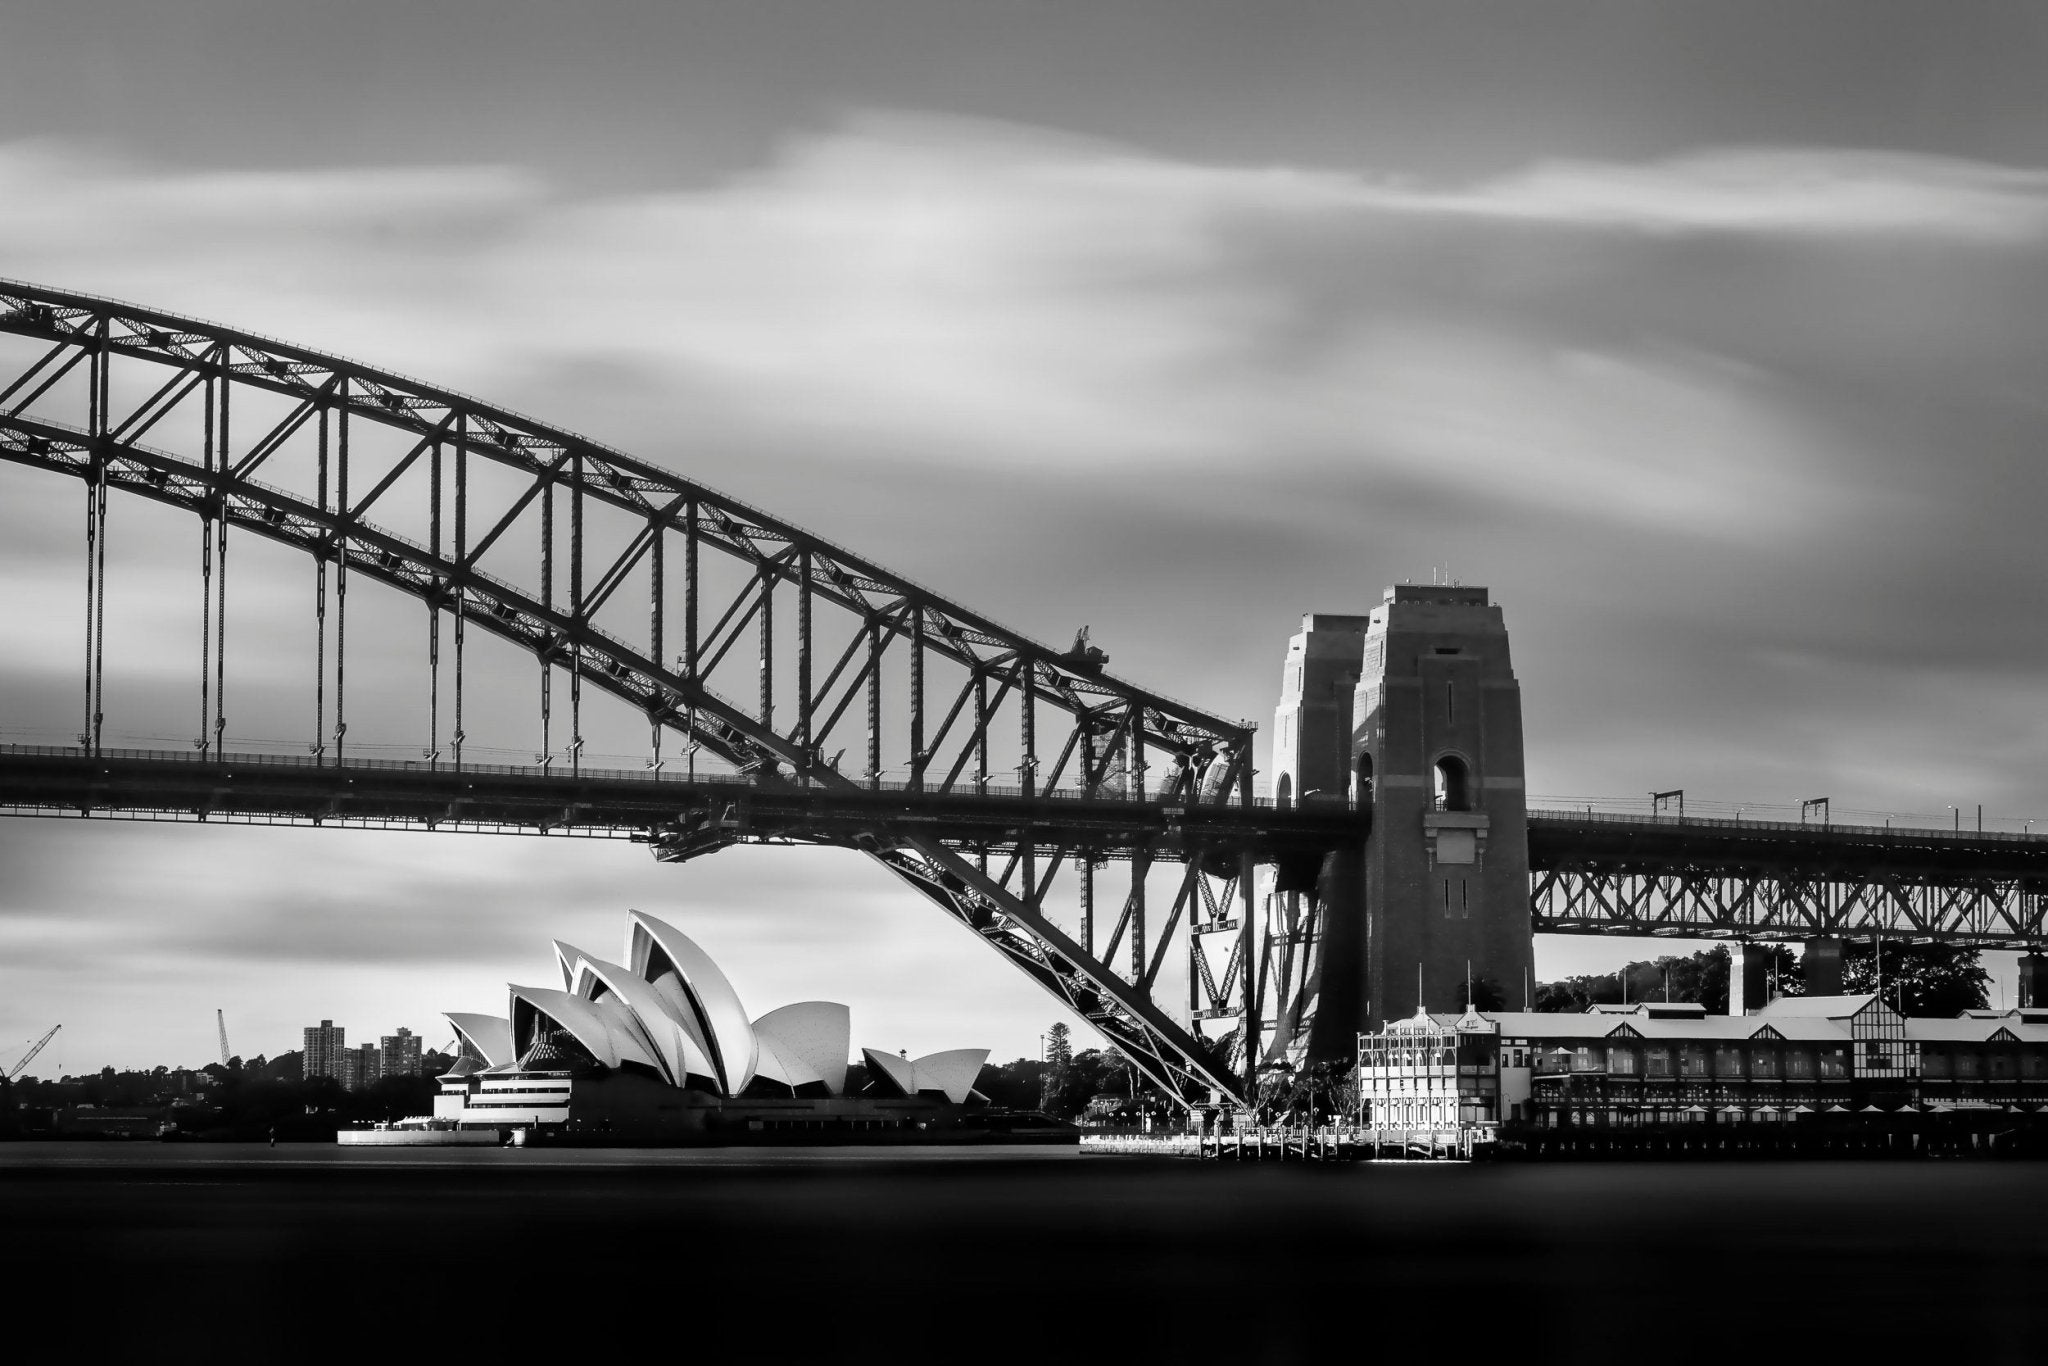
657, 1049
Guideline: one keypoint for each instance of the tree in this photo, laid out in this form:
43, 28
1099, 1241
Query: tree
1059, 1058
1486, 994
1700, 977
1059, 1045
1919, 979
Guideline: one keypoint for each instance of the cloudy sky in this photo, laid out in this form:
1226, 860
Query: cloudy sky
1712, 337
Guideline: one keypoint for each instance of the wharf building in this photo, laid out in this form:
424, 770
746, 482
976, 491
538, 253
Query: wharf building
1657, 1065
657, 1048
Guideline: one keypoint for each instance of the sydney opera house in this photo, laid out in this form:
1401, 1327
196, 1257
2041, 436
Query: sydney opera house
658, 1048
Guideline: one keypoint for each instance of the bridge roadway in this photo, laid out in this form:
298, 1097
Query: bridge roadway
1590, 872
1697, 878
679, 814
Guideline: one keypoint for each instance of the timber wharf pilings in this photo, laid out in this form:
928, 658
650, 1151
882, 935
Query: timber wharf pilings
1857, 1138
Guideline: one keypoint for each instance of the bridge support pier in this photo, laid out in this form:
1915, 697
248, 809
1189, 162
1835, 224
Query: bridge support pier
1821, 964
2033, 980
1411, 711
1747, 986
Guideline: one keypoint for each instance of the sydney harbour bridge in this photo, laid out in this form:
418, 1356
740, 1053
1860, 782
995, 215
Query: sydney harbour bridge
1105, 838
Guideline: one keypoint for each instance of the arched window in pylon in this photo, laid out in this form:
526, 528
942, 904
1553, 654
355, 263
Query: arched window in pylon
1283, 792
1453, 784
1361, 785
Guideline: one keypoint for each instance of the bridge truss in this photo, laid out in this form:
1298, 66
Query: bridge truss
1593, 873
1083, 827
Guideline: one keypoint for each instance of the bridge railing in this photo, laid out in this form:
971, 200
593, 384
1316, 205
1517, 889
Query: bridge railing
1586, 815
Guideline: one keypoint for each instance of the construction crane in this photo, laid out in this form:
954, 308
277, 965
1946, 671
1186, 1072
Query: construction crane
30, 1056
221, 1020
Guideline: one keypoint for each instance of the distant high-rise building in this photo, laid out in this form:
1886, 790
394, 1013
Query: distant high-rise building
324, 1047
401, 1053
361, 1066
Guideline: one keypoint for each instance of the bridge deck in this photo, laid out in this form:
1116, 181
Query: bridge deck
1595, 873
706, 809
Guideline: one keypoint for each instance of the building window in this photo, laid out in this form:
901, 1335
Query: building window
1834, 1063
1621, 1061
1799, 1062
1657, 1062
1587, 1059
1763, 1062
1693, 1061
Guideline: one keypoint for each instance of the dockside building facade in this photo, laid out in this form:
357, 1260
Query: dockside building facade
1661, 1064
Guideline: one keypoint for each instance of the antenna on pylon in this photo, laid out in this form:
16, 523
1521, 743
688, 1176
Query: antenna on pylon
221, 1020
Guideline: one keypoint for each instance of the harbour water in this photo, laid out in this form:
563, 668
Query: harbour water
1026, 1254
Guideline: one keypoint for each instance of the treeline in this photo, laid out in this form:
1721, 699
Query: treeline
1918, 979
1063, 1090
237, 1101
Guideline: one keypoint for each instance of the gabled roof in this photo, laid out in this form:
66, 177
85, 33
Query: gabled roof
1825, 1007
1668, 1010
1811, 1029
1543, 1025
1964, 1030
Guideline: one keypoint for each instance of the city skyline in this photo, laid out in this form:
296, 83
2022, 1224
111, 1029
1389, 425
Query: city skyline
1706, 339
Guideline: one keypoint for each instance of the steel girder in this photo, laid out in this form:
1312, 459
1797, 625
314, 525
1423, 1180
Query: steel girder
1783, 904
1777, 881
739, 688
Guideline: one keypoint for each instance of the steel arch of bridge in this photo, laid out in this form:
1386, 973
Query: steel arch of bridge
739, 688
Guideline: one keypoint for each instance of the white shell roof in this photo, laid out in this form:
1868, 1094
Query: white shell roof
779, 1065
952, 1072
606, 1030
489, 1035
674, 1012
565, 959
898, 1072
661, 1024
735, 1053
818, 1035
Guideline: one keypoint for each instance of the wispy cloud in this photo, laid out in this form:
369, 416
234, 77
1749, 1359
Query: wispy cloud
1071, 381
1793, 192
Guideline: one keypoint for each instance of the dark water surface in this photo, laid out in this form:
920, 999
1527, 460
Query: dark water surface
300, 1253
